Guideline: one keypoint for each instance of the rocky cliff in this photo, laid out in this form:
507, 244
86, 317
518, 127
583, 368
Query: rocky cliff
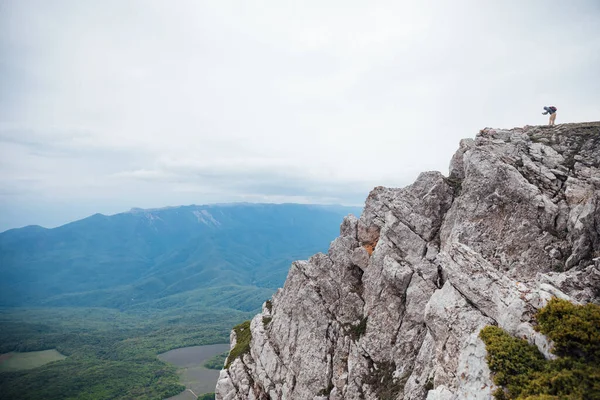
394, 309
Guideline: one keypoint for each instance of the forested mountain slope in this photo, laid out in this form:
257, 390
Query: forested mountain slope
230, 255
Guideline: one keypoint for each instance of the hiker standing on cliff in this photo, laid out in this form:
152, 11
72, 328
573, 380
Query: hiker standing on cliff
552, 111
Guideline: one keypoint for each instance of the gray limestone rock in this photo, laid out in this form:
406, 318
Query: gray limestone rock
393, 310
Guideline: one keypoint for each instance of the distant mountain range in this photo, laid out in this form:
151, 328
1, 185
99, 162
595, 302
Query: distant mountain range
225, 256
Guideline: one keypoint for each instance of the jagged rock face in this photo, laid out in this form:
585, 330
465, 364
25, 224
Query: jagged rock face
394, 309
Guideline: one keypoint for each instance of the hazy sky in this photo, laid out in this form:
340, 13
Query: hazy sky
108, 105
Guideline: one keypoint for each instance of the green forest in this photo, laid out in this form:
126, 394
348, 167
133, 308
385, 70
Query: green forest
111, 354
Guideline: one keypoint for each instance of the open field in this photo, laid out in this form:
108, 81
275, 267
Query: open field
193, 374
32, 359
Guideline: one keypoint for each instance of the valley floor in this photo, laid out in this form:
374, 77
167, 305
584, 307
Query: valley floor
111, 354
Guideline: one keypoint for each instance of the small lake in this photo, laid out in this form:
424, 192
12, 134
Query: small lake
192, 373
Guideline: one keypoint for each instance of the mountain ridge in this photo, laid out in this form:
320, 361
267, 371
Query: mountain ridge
394, 308
127, 258
138, 210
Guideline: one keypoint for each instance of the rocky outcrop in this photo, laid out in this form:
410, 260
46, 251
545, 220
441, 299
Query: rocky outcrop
394, 309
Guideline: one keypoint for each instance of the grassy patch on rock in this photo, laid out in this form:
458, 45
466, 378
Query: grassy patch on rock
243, 337
523, 373
266, 321
455, 184
358, 330
384, 382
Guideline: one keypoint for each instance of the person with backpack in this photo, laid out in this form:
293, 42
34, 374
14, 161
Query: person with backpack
552, 111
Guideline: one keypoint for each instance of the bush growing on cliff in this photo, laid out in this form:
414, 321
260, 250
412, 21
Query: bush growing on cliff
266, 321
511, 359
269, 305
525, 374
575, 330
357, 331
243, 337
385, 384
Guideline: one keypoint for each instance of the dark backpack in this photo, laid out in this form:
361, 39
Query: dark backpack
552, 108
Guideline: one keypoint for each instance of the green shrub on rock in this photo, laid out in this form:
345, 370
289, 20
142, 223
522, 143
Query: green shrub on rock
525, 374
269, 305
243, 336
266, 321
574, 329
511, 359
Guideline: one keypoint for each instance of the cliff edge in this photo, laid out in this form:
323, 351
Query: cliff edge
393, 310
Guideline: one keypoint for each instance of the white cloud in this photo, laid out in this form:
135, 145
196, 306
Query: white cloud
145, 103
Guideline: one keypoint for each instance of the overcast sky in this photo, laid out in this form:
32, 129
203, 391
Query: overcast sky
108, 105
